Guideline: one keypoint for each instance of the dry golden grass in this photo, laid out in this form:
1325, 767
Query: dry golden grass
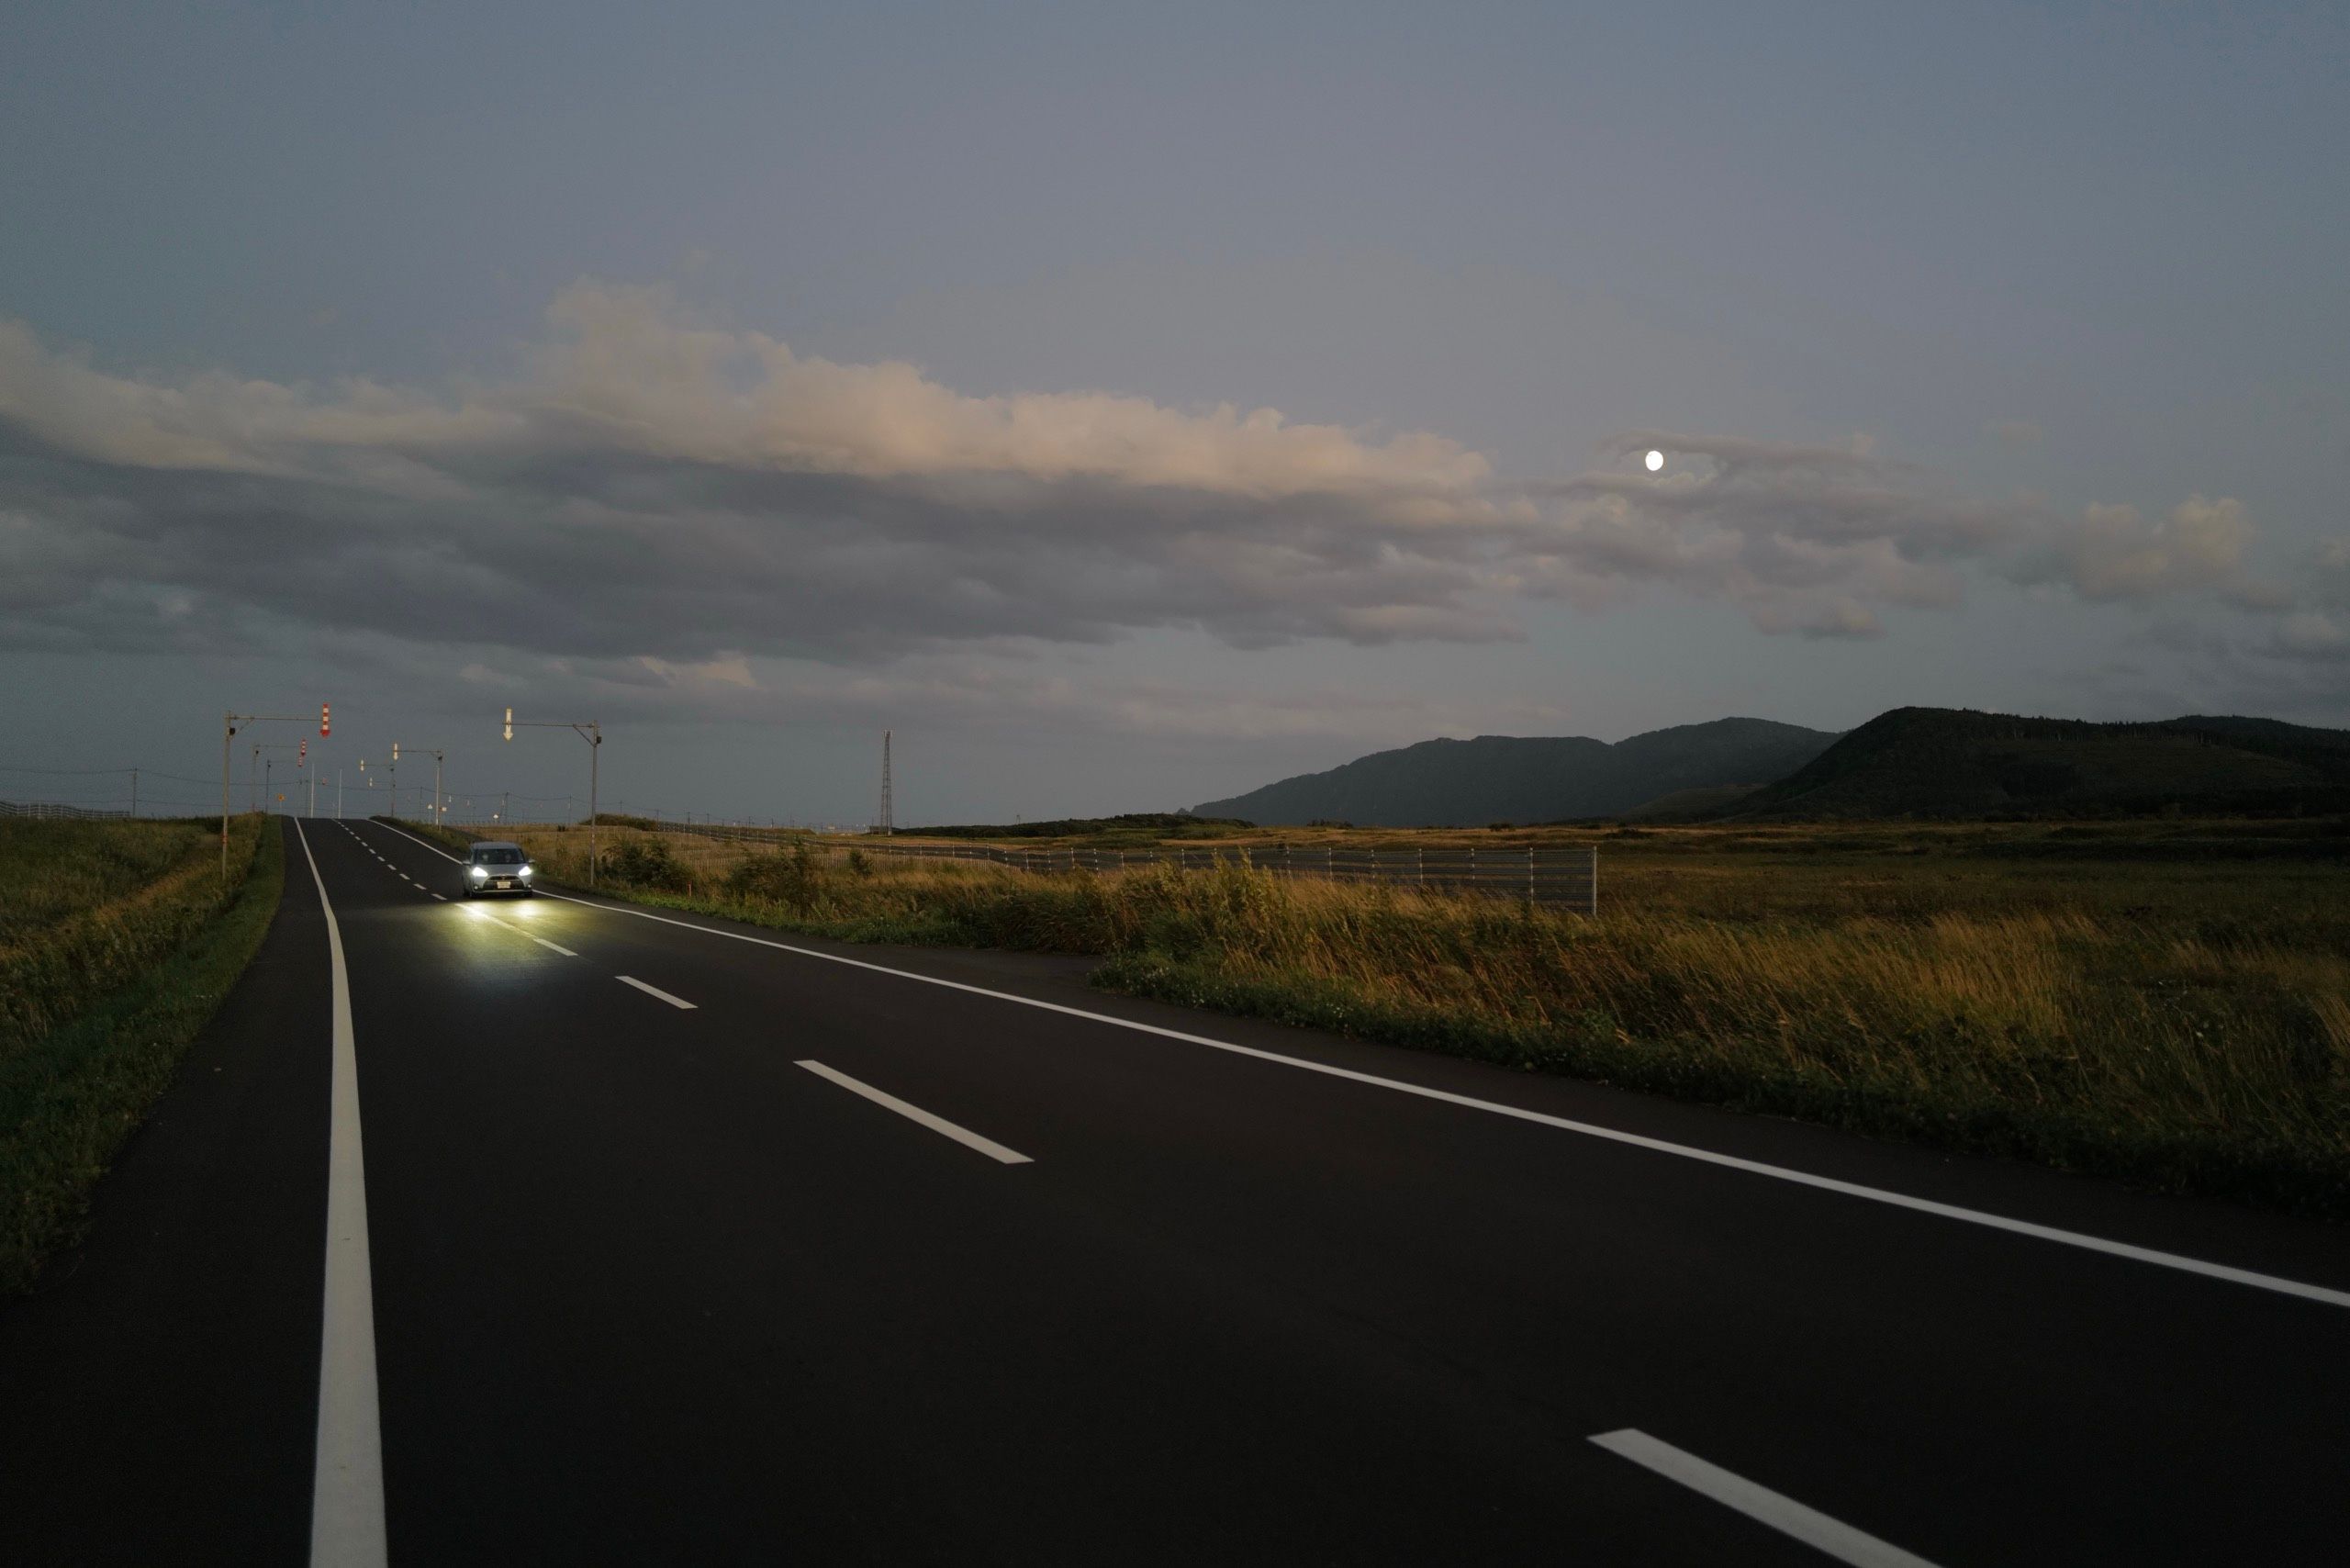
86, 905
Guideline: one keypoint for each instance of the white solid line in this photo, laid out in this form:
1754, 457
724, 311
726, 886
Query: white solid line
347, 1480
2179, 1262
544, 943
426, 842
653, 991
963, 1135
1782, 1513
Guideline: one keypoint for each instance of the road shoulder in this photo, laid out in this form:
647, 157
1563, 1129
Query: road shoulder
161, 1379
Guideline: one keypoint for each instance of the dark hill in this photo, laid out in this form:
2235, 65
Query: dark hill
1448, 783
1939, 762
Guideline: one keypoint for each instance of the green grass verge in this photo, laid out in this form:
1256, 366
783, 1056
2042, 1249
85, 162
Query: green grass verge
76, 1081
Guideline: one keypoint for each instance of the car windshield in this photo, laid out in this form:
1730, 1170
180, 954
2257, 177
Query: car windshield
498, 856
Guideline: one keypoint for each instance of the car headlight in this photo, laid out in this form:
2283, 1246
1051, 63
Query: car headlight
479, 871
528, 869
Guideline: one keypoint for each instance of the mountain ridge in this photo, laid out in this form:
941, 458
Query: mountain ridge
1905, 762
1522, 778
1961, 762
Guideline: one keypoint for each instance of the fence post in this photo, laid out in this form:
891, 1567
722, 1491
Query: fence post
1595, 881
1529, 873
1420, 864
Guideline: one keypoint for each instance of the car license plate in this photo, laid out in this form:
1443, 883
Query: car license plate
505, 882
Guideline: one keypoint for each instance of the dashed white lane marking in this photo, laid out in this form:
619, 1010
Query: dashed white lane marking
477, 912
442, 897
963, 1135
427, 842
654, 991
1760, 1504
2325, 1294
347, 1478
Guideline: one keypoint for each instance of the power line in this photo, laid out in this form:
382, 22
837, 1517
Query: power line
10, 767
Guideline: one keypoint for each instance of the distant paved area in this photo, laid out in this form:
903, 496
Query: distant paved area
696, 1249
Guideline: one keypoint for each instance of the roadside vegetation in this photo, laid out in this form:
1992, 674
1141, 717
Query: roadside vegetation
117, 941
2164, 1002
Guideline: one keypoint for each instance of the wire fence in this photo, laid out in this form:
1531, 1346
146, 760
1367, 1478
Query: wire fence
57, 809
1562, 875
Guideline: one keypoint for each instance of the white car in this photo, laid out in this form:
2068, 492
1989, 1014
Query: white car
496, 867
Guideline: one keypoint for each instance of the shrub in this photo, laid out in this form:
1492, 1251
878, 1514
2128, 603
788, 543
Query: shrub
645, 863
793, 877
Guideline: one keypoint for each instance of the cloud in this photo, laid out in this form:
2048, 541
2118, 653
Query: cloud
2326, 574
2111, 553
651, 494
1807, 540
652, 487
2314, 637
2017, 432
1833, 618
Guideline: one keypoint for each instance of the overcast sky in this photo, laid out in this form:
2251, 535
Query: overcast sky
1130, 406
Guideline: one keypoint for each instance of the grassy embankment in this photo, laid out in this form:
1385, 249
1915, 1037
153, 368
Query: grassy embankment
2167, 1002
117, 940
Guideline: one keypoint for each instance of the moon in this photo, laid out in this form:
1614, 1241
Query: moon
1655, 461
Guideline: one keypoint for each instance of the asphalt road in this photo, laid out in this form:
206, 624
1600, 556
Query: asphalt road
992, 1282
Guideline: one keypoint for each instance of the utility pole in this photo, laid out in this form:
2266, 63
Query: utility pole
228, 723
134, 792
885, 824
593, 734
436, 754
268, 777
